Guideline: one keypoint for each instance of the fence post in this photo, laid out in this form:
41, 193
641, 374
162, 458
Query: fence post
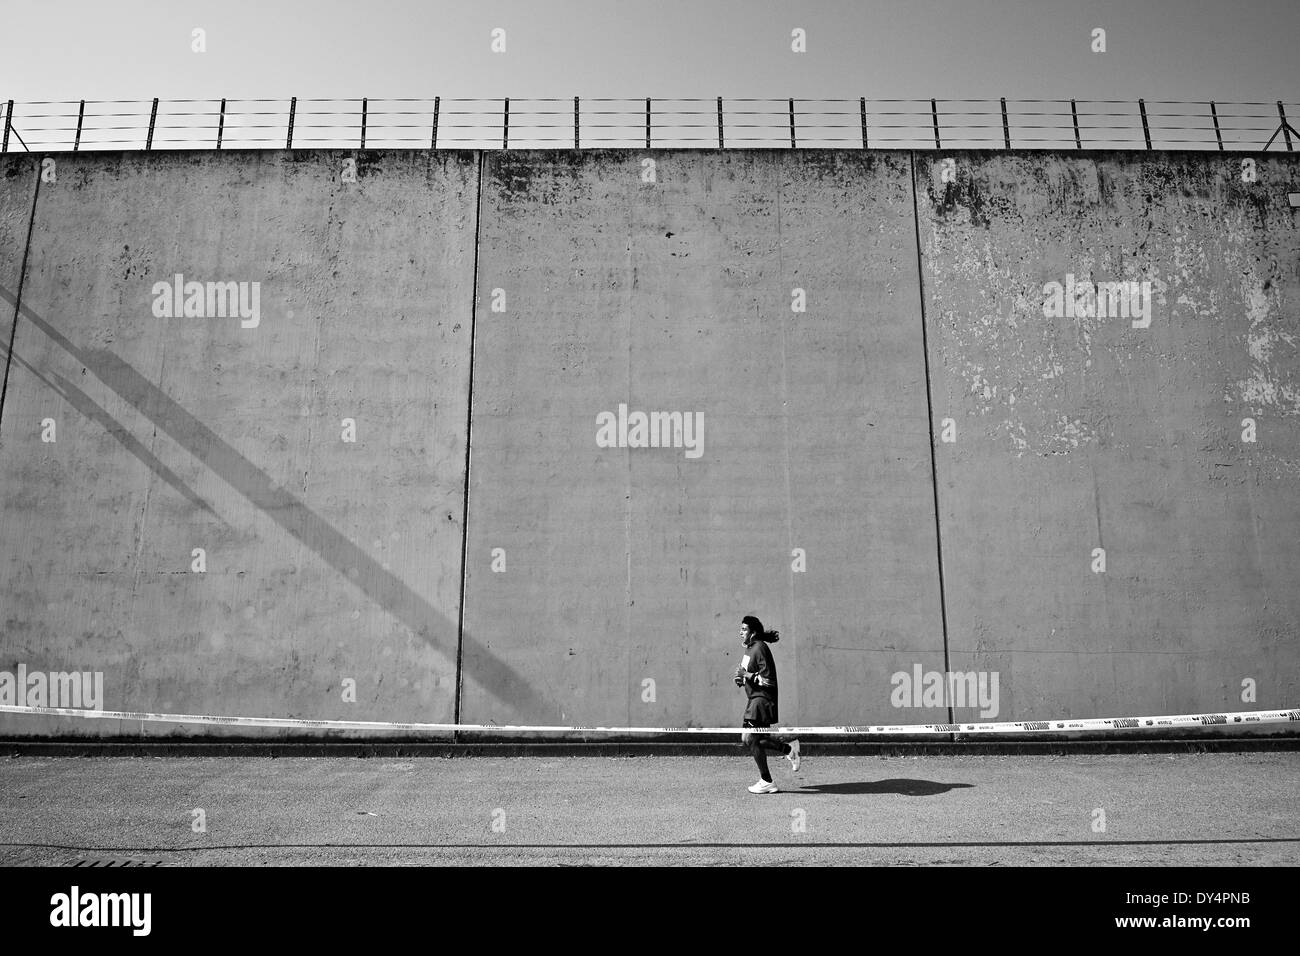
505, 127
9, 117
221, 122
720, 141
575, 123
293, 108
647, 122
1006, 129
81, 116
153, 117
792, 142
1074, 112
365, 105
1218, 135
1286, 127
934, 115
862, 105
1146, 130
433, 143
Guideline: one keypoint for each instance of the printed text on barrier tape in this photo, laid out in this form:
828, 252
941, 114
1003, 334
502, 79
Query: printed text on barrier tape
1007, 727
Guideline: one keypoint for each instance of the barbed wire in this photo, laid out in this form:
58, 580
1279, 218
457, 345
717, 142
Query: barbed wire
653, 122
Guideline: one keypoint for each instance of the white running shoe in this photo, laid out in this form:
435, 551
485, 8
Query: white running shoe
793, 756
763, 786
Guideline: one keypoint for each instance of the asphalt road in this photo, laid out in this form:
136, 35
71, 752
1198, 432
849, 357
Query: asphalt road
1130, 809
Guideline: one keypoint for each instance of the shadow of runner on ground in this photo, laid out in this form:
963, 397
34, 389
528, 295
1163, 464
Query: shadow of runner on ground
908, 788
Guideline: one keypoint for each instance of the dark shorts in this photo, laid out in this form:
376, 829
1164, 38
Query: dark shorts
760, 712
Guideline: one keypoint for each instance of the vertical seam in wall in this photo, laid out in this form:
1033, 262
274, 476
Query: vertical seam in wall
469, 424
18, 295
627, 499
929, 408
793, 683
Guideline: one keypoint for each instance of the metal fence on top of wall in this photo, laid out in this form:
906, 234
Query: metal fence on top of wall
594, 123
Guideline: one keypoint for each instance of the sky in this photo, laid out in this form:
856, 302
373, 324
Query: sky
1186, 50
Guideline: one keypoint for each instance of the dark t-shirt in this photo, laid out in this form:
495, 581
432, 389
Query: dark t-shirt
758, 660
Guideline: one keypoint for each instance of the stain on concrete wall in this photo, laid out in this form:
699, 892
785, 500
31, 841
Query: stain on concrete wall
1098, 430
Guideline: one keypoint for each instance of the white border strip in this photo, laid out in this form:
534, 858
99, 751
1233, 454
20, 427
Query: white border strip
1016, 727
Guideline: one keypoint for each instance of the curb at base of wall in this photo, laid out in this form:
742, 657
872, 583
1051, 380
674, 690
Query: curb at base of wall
522, 748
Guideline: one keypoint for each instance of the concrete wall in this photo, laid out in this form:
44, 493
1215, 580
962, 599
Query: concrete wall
1084, 432
624, 565
589, 571
325, 560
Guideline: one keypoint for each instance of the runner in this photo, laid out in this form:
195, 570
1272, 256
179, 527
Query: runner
757, 674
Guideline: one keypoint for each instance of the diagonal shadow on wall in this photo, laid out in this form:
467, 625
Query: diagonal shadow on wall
97, 413
388, 591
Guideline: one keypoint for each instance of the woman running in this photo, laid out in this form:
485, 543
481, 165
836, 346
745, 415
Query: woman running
757, 674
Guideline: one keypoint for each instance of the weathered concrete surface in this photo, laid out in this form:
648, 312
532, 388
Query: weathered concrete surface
1086, 432
18, 177
626, 565
326, 560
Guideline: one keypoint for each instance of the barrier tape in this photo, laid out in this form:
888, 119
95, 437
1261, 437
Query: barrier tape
1007, 727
